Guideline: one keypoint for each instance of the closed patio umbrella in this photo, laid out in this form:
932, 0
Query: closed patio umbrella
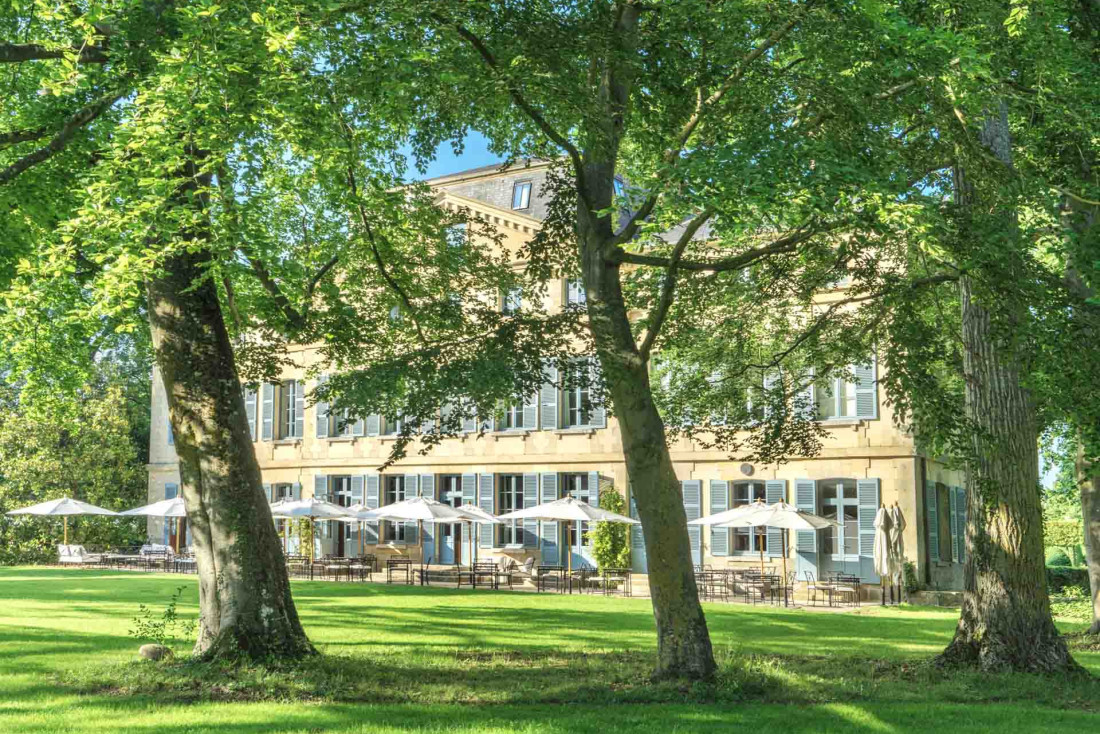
63, 507
881, 555
167, 509
312, 508
568, 509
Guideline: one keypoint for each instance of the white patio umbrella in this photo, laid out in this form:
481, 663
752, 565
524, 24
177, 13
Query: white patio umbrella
63, 508
312, 508
167, 509
784, 516
425, 510
568, 510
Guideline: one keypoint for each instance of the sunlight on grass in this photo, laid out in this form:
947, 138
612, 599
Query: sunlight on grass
405, 659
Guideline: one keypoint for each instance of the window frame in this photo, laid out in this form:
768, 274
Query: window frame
756, 539
575, 530
286, 398
575, 285
840, 502
511, 301
525, 188
510, 486
393, 531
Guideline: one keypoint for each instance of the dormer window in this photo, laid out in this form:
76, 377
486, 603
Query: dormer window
521, 195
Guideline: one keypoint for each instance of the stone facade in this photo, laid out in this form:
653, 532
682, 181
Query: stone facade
865, 461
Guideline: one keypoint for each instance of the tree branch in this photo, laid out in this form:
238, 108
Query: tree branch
294, 317
81, 118
787, 243
668, 288
17, 53
21, 136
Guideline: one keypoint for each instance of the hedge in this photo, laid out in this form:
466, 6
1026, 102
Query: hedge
1059, 577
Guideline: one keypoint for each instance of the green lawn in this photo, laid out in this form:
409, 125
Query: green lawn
401, 659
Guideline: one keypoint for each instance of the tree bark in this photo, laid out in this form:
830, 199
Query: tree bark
1089, 482
1005, 623
246, 609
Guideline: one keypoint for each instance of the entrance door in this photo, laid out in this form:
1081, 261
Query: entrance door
341, 495
450, 536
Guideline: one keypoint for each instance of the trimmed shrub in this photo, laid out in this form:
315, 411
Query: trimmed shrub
1059, 577
1058, 557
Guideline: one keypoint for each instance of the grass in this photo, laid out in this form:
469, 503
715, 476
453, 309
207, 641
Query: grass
408, 659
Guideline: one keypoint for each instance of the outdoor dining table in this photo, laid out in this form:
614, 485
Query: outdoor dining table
550, 572
399, 566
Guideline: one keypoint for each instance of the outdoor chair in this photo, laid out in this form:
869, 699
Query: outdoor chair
76, 555
546, 575
361, 568
526, 572
847, 587
813, 587
788, 587
399, 567
422, 572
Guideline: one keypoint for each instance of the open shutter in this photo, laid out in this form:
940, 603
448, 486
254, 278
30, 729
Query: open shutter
267, 401
805, 499
469, 489
956, 523
357, 490
961, 499
598, 416
805, 397
371, 502
549, 397
638, 561
531, 412
593, 497
771, 382
866, 392
249, 412
933, 521
412, 489
551, 553
486, 500
322, 412
867, 494
299, 408
530, 499
719, 502
320, 487
692, 491
427, 489
775, 490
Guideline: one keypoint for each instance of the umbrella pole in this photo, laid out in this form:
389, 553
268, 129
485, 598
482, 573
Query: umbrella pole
760, 545
65, 522
786, 547
569, 561
177, 536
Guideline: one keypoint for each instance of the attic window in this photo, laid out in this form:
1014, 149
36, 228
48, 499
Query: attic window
521, 195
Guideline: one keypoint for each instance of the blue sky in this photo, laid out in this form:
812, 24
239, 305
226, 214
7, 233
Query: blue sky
475, 154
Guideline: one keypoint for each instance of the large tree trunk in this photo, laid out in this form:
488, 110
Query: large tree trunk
245, 604
683, 642
1089, 483
1005, 622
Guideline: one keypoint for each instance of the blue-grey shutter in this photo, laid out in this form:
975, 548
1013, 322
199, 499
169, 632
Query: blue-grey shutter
692, 491
551, 553
486, 500
357, 490
549, 397
933, 521
719, 502
866, 392
531, 412
320, 487
530, 499
867, 494
296, 491
171, 434
412, 489
805, 499
775, 490
371, 528
593, 497
249, 412
956, 524
374, 425
171, 490
267, 393
638, 560
598, 416
427, 489
962, 523
299, 408
804, 399
267, 492
322, 409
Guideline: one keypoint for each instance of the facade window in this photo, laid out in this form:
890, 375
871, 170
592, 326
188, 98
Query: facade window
290, 412
390, 426
513, 417
574, 292
456, 235
521, 195
835, 399
509, 498
747, 540
511, 301
618, 184
839, 502
449, 489
393, 491
576, 486
579, 399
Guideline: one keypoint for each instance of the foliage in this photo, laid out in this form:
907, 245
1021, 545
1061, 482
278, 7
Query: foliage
912, 584
84, 447
1059, 577
499, 661
1058, 557
611, 540
167, 629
